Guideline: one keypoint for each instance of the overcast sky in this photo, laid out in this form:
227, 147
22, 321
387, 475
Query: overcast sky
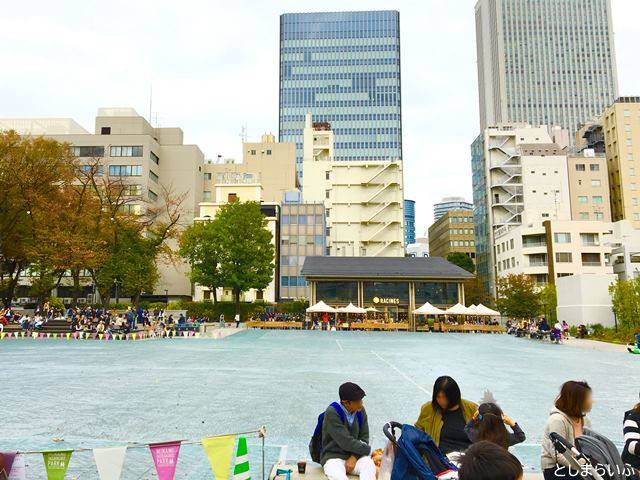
214, 67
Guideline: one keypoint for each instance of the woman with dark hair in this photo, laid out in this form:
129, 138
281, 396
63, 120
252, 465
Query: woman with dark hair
445, 416
631, 452
567, 419
489, 423
487, 461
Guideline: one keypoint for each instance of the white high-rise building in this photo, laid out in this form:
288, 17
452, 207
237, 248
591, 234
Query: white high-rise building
363, 199
544, 62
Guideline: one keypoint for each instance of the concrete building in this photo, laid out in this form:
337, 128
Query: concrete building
585, 300
548, 62
151, 159
519, 178
272, 164
363, 199
453, 232
589, 186
625, 250
553, 249
302, 234
344, 67
409, 221
418, 249
243, 190
621, 121
450, 203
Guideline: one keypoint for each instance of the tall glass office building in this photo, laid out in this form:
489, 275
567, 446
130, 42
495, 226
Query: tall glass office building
409, 222
544, 62
344, 68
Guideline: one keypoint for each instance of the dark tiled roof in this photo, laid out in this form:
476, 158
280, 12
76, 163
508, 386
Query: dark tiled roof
382, 267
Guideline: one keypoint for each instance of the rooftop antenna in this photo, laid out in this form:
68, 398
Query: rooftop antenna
243, 133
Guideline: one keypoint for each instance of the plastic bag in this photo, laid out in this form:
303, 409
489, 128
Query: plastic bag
386, 465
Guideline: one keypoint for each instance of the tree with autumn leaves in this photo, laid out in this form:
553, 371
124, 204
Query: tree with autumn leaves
58, 218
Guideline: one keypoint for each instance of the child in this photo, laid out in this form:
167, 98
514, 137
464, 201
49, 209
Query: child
487, 461
488, 423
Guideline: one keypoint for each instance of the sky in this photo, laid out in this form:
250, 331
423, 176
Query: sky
212, 67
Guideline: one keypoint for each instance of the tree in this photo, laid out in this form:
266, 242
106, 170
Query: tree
518, 296
475, 293
200, 246
549, 302
246, 254
625, 299
33, 173
462, 260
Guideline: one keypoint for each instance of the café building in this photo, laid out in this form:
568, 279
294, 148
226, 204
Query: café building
393, 286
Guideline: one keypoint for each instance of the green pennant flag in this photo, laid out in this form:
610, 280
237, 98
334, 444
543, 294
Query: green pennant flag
56, 463
241, 470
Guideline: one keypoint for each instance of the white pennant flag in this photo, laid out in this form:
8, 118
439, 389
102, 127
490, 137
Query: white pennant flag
109, 462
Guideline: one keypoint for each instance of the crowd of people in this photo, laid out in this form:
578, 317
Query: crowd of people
475, 438
97, 320
540, 329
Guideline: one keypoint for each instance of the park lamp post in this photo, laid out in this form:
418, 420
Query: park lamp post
116, 283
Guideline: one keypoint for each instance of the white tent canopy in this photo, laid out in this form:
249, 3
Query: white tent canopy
459, 309
372, 309
321, 307
473, 309
486, 311
428, 309
351, 308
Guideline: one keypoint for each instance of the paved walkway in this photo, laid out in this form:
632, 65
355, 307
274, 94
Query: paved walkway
595, 345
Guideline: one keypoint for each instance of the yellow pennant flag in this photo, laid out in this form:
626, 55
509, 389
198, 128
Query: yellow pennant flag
219, 451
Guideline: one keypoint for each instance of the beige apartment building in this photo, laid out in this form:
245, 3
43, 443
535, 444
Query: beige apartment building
363, 200
589, 186
621, 123
150, 159
451, 233
268, 162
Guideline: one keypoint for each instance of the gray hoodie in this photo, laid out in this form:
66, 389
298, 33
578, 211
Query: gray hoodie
561, 424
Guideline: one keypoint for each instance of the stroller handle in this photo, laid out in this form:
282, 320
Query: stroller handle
389, 430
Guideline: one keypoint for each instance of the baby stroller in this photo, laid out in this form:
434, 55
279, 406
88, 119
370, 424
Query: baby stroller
595, 456
417, 457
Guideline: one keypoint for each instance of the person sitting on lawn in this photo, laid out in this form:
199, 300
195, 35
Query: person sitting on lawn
345, 437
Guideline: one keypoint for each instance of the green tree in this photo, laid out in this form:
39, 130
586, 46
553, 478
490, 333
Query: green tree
549, 302
246, 257
462, 260
475, 293
518, 296
625, 299
200, 246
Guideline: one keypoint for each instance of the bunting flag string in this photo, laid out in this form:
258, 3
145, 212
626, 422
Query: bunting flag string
92, 336
219, 450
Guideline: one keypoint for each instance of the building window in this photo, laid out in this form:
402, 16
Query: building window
126, 151
131, 208
153, 176
125, 170
326, 175
594, 167
268, 152
580, 167
597, 199
591, 259
105, 131
232, 197
596, 183
132, 190
207, 176
327, 194
153, 196
599, 215
95, 151
253, 152
584, 215
583, 199
154, 158
92, 170
564, 257
562, 237
589, 239
206, 196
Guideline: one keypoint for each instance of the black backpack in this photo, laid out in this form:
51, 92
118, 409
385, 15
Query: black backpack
315, 445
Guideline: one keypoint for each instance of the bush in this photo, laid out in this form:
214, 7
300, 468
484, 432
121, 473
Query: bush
56, 302
208, 309
293, 306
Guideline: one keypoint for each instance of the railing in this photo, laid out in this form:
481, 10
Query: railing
590, 243
534, 244
539, 263
591, 264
